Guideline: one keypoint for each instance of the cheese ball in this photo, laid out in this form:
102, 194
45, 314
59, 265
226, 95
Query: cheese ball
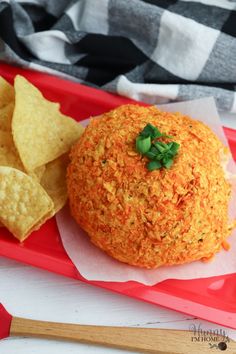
150, 218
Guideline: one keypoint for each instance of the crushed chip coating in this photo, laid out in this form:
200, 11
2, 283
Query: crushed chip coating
8, 153
6, 93
149, 219
54, 181
6, 117
40, 132
24, 205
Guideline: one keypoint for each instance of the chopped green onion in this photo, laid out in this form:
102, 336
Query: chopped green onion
151, 155
167, 162
154, 150
151, 131
160, 147
143, 144
175, 147
154, 165
170, 145
161, 154
160, 143
159, 157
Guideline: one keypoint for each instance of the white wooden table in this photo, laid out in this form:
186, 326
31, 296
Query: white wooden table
37, 294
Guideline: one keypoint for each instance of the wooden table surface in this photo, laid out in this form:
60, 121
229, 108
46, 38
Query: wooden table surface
37, 294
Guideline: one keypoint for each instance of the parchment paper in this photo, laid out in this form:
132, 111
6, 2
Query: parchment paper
94, 264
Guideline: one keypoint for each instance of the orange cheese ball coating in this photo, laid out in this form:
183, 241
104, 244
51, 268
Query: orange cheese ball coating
149, 219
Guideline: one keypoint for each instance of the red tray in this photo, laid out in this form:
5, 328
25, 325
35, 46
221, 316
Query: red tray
213, 299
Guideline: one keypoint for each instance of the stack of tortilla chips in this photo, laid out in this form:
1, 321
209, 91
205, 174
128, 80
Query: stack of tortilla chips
35, 138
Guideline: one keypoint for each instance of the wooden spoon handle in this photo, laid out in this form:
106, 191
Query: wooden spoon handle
149, 340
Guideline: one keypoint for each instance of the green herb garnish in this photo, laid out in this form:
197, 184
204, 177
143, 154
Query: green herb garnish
154, 165
143, 144
161, 154
150, 131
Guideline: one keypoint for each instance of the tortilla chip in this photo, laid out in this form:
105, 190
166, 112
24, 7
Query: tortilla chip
54, 181
6, 117
38, 173
10, 157
8, 153
40, 132
24, 205
6, 93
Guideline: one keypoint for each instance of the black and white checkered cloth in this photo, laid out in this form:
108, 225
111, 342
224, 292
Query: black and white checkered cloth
151, 50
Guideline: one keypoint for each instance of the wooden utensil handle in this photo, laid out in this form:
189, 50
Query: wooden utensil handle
144, 340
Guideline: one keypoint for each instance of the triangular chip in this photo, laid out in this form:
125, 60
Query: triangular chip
54, 181
10, 157
40, 132
38, 172
6, 93
8, 153
6, 117
24, 205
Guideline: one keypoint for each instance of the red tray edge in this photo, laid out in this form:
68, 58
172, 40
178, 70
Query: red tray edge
214, 315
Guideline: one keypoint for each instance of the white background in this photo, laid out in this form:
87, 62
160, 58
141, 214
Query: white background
37, 294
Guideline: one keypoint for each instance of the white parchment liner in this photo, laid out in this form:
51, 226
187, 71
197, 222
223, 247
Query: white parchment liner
94, 264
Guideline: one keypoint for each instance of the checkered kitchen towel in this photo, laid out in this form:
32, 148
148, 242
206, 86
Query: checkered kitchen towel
151, 50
